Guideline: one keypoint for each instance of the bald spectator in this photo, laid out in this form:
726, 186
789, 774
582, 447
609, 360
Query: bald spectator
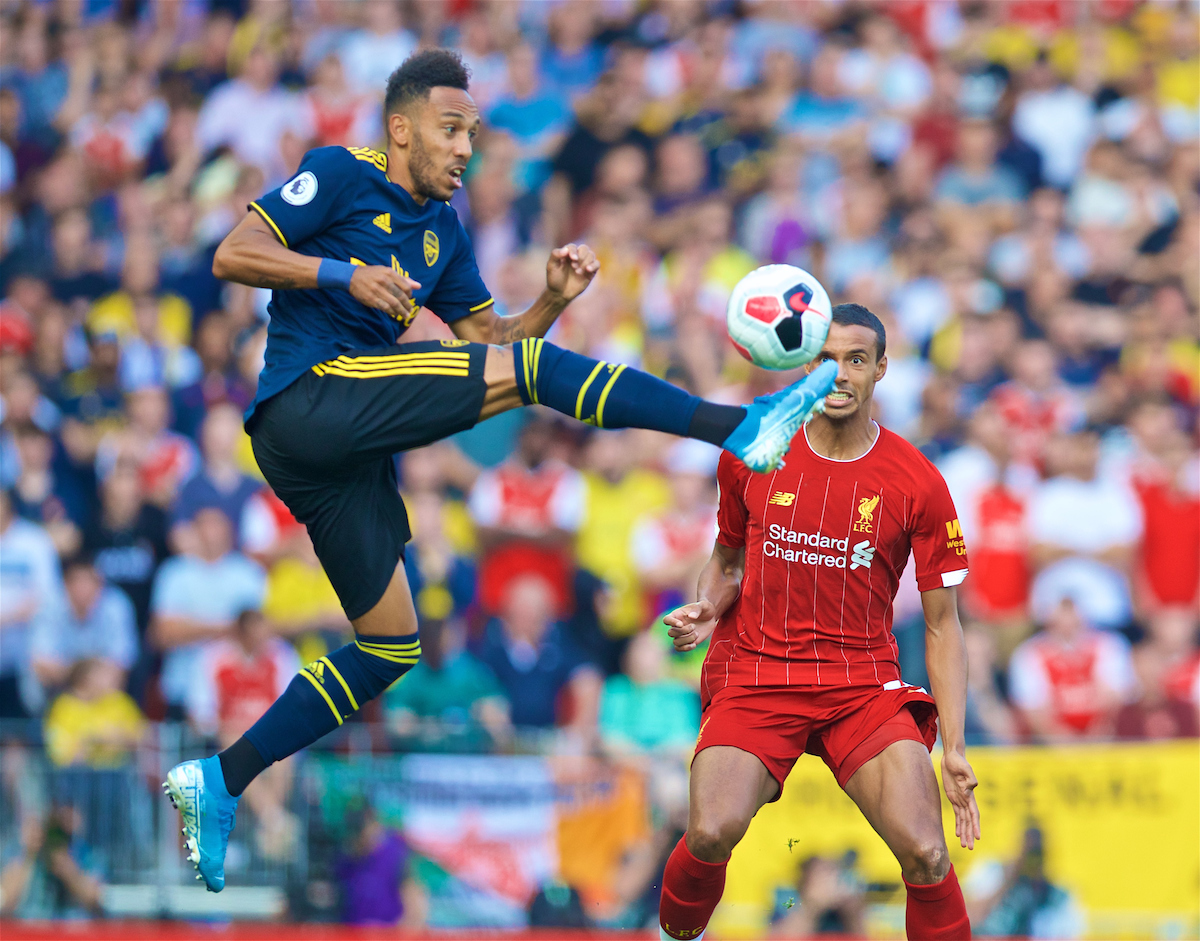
545, 677
219, 482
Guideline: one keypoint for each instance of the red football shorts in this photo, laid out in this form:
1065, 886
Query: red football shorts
846, 726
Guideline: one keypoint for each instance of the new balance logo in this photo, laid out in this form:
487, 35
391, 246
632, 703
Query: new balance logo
779, 498
862, 554
384, 221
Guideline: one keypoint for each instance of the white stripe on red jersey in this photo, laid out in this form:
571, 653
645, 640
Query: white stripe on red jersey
826, 542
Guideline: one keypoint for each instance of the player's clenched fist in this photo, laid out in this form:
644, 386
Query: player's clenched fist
384, 289
570, 270
691, 625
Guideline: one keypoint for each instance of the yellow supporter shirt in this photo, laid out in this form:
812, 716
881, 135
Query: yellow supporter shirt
602, 544
298, 592
74, 725
114, 314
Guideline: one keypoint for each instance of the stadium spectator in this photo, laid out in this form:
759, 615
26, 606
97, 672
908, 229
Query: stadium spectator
97, 621
991, 493
670, 547
1035, 402
51, 873
165, 459
338, 115
617, 492
537, 117
1017, 899
196, 598
544, 676
219, 482
1167, 663
642, 709
235, 681
526, 511
828, 901
93, 723
975, 181
300, 602
990, 719
219, 381
127, 539
450, 701
30, 582
44, 495
1167, 569
1084, 526
270, 142
1069, 680
370, 52
375, 875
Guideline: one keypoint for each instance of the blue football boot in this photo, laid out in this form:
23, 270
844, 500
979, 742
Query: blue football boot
765, 434
197, 789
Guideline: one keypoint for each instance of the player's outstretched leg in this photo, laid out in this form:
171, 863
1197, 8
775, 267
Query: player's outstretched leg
319, 699
610, 395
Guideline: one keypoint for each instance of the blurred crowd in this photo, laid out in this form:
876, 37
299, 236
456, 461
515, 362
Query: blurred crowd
1011, 185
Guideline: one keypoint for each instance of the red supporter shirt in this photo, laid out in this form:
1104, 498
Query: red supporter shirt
826, 542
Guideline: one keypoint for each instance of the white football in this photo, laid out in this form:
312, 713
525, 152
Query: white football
778, 317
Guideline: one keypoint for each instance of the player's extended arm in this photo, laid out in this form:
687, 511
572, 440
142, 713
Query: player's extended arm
718, 587
946, 661
569, 271
252, 254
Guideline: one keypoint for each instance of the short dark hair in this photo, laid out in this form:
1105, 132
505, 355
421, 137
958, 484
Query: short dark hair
858, 316
421, 72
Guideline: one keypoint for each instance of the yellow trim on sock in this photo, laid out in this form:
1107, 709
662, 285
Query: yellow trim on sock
405, 644
604, 395
410, 657
269, 221
583, 389
345, 685
324, 695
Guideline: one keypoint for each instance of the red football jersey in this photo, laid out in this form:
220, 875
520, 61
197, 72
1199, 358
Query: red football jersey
826, 542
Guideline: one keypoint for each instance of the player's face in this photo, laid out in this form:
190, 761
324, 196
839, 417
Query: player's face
853, 348
443, 135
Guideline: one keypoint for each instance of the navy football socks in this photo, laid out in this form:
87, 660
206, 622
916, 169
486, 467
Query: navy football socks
319, 699
610, 395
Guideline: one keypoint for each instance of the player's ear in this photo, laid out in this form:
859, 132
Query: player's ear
399, 127
881, 367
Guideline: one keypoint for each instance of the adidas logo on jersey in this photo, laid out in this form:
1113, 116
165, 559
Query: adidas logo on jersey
780, 498
384, 221
863, 553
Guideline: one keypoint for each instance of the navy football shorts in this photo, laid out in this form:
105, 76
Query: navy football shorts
326, 446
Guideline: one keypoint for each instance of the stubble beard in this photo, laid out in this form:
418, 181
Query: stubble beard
423, 171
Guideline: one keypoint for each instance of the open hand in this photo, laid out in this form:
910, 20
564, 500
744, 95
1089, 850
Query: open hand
960, 782
385, 289
570, 270
691, 625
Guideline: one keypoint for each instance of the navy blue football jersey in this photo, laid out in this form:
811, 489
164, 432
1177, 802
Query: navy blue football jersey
341, 205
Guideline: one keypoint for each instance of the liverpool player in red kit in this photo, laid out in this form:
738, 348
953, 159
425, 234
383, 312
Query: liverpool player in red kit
797, 598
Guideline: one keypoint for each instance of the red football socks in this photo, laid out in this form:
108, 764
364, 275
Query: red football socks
935, 912
690, 891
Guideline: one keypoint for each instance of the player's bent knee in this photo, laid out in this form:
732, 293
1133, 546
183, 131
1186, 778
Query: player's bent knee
926, 861
713, 840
